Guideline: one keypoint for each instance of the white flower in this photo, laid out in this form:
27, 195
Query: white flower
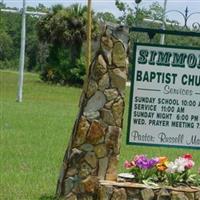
171, 168
180, 169
179, 165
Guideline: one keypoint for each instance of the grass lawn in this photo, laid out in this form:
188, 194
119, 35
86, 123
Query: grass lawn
35, 133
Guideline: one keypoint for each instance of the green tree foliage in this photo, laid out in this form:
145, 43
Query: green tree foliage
156, 11
65, 30
55, 43
8, 40
6, 50
134, 16
32, 43
130, 15
106, 17
10, 36
39, 8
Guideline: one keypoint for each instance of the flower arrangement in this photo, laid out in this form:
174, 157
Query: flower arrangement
160, 170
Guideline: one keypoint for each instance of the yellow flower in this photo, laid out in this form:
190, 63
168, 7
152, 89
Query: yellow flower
163, 159
162, 165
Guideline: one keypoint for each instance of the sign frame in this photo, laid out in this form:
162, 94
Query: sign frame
132, 92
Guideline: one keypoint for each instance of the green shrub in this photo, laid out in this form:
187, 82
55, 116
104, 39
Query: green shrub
9, 64
62, 72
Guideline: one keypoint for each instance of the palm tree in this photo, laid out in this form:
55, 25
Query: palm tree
65, 28
77, 22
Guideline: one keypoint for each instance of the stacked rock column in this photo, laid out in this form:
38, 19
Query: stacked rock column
94, 147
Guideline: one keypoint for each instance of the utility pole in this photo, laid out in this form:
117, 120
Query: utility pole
23, 43
162, 39
89, 33
22, 54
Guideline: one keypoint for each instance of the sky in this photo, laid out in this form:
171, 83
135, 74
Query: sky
109, 5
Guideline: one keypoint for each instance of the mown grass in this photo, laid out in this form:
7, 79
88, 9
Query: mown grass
35, 134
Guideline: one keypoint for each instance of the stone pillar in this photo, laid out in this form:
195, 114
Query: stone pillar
93, 151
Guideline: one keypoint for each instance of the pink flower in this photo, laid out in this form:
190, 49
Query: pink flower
189, 164
138, 157
129, 165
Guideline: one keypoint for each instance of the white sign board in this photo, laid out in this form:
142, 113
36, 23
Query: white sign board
165, 97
